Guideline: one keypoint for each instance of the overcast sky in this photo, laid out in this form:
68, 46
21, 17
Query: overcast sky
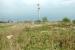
27, 9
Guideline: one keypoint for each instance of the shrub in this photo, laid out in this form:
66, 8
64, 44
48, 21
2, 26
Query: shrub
44, 19
66, 20
37, 21
73, 21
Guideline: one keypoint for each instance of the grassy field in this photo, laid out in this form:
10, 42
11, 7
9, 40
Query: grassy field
37, 37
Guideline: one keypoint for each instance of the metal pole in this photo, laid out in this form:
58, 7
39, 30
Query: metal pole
38, 5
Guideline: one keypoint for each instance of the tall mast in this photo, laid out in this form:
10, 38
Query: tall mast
38, 9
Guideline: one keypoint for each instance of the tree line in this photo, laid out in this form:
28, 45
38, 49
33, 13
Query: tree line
44, 20
64, 20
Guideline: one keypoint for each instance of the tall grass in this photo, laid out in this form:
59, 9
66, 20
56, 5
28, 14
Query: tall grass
45, 37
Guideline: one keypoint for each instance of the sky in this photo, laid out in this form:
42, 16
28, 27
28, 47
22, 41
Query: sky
27, 9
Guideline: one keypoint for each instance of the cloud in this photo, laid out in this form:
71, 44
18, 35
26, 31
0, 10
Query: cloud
67, 2
60, 3
26, 7
29, 3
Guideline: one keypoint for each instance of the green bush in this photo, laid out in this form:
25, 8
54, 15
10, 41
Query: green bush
73, 21
44, 19
66, 20
37, 21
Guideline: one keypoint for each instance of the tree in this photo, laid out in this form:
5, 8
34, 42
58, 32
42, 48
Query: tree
44, 19
37, 21
73, 21
66, 20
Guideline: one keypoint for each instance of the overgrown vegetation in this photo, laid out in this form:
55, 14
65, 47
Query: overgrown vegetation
46, 37
38, 37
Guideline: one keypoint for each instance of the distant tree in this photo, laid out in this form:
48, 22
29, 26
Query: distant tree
73, 21
9, 21
66, 19
37, 21
28, 21
3, 22
44, 19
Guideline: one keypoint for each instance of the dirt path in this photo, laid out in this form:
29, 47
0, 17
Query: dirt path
15, 29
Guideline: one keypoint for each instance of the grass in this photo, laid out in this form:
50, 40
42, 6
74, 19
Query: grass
45, 37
